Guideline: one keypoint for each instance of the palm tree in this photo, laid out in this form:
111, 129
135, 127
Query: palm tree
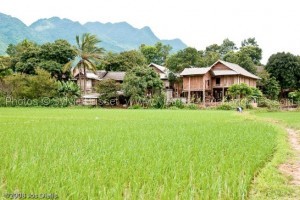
87, 54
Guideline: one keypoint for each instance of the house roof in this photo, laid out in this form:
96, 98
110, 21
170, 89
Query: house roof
118, 76
159, 67
224, 72
195, 71
164, 72
101, 73
237, 69
91, 75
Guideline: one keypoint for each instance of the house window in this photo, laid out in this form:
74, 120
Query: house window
218, 81
207, 83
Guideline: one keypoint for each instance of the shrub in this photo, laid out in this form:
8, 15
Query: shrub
173, 108
136, 106
295, 96
68, 89
271, 105
158, 101
30, 86
225, 106
108, 89
178, 103
191, 106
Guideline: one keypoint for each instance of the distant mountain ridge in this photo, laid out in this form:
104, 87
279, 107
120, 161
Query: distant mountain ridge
115, 37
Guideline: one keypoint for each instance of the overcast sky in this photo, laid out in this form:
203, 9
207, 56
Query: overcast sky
199, 23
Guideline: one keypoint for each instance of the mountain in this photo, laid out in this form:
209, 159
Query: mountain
115, 37
12, 30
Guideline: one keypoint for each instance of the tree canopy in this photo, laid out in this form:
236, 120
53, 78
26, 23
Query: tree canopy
156, 54
123, 61
285, 68
87, 54
139, 81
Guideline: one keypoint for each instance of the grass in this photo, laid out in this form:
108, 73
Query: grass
288, 118
271, 183
132, 154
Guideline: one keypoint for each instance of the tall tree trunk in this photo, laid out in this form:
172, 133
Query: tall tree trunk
80, 80
84, 80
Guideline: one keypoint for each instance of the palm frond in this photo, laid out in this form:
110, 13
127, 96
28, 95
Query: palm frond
89, 65
67, 66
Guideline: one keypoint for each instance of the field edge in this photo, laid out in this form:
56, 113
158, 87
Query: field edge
270, 183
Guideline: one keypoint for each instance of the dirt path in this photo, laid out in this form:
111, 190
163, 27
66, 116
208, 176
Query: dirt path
292, 168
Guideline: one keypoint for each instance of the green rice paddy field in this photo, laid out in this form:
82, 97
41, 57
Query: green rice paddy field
291, 119
132, 154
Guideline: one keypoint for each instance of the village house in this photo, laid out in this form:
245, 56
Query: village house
205, 84
93, 77
173, 90
211, 83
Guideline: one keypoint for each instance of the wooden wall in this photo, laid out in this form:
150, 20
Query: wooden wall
220, 66
227, 81
197, 82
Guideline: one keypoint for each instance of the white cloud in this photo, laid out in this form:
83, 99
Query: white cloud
199, 23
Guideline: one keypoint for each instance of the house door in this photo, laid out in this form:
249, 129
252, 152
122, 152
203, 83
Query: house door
218, 94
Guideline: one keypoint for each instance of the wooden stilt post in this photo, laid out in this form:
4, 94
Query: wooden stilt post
223, 94
203, 91
189, 91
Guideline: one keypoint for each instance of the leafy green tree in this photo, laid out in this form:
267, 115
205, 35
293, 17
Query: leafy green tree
25, 56
53, 67
123, 61
41, 85
240, 90
31, 86
295, 96
11, 50
249, 42
5, 66
59, 51
15, 86
208, 59
108, 89
87, 54
130, 59
213, 48
111, 62
54, 56
27, 66
285, 67
139, 81
270, 87
250, 47
183, 59
256, 93
227, 46
155, 54
242, 59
